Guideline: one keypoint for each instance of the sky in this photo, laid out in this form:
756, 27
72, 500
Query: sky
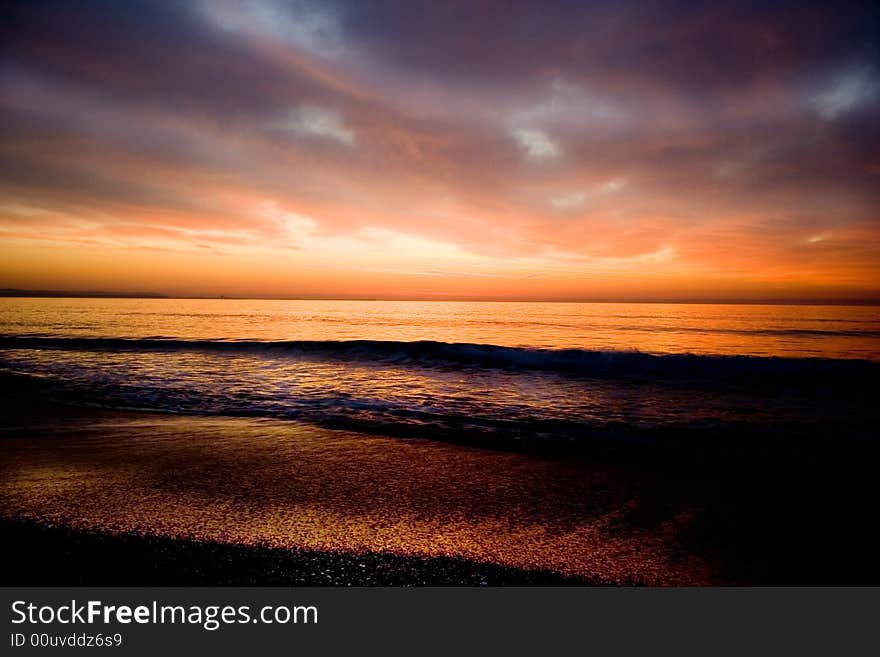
446, 150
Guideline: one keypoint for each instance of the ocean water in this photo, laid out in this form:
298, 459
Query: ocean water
502, 374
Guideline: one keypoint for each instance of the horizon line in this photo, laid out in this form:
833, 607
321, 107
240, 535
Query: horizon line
766, 301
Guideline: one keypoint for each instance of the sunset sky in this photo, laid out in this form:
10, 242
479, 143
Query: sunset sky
527, 150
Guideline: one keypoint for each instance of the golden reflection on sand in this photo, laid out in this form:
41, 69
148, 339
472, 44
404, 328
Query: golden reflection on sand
290, 485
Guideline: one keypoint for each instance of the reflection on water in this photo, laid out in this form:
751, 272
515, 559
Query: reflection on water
767, 330
458, 393
470, 404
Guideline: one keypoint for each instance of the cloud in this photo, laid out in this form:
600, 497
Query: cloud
568, 201
613, 185
319, 122
648, 127
578, 199
535, 143
295, 227
846, 92
310, 26
568, 104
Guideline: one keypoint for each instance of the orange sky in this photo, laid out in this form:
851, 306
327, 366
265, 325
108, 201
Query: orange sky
579, 151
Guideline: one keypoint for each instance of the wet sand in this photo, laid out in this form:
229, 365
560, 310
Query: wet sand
286, 485
84, 482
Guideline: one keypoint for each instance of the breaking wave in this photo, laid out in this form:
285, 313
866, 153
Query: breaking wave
431, 354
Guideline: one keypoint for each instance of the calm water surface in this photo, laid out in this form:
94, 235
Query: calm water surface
763, 330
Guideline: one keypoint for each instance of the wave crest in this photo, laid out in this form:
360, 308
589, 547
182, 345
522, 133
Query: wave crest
432, 354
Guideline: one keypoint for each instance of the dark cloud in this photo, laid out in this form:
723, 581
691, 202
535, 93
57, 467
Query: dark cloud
497, 127
690, 47
153, 54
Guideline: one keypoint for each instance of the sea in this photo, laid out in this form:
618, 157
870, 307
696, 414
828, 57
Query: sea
502, 374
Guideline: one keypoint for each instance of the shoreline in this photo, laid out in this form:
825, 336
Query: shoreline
29, 404
97, 496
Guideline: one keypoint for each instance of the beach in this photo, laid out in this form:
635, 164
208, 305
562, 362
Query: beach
262, 483
116, 497
49, 555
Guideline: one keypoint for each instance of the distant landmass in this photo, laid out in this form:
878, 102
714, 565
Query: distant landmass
13, 292
85, 294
